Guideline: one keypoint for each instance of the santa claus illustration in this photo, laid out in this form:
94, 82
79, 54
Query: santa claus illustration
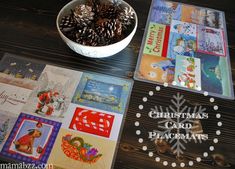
45, 102
187, 79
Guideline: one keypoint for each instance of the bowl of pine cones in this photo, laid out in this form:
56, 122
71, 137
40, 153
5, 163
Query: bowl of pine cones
97, 28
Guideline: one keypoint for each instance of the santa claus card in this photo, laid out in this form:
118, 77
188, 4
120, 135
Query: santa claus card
188, 72
53, 93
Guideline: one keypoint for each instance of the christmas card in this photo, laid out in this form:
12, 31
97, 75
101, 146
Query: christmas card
53, 93
79, 150
31, 139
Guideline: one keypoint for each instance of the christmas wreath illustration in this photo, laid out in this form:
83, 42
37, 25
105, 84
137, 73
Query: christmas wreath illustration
75, 148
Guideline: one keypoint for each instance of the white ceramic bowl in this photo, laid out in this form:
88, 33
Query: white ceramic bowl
94, 51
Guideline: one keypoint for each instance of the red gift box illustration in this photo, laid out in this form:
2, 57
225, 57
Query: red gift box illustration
92, 122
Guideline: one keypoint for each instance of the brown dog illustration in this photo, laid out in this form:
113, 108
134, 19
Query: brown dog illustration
26, 142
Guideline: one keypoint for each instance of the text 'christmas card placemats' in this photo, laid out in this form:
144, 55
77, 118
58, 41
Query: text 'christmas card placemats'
53, 115
186, 47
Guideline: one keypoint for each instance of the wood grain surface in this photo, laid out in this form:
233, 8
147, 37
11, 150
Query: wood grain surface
27, 27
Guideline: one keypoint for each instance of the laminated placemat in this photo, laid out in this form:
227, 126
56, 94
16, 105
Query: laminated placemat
58, 116
186, 47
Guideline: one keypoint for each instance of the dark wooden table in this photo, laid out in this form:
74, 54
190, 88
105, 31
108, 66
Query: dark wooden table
27, 27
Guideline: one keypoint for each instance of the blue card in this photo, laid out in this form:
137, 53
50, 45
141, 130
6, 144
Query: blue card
97, 91
164, 11
181, 44
103, 92
20, 72
215, 76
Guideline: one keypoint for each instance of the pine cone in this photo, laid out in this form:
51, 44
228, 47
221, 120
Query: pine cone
108, 10
83, 15
108, 28
127, 17
96, 24
67, 24
87, 36
94, 4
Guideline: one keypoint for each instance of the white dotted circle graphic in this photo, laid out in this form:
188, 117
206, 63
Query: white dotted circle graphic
212, 100
219, 123
157, 159
205, 154
182, 165
138, 115
218, 115
158, 88
165, 163
216, 107
145, 99
215, 140
198, 159
165, 84
138, 132
150, 154
141, 140
211, 148
145, 148
174, 164
190, 163
137, 123
141, 107
150, 93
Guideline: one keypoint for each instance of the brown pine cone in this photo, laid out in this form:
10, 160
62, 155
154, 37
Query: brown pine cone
87, 36
108, 10
67, 24
83, 15
108, 28
94, 4
97, 23
126, 16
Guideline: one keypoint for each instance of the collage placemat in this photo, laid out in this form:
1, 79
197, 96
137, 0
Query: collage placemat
186, 47
59, 116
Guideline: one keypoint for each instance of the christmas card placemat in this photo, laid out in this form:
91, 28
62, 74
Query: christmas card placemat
186, 47
53, 115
